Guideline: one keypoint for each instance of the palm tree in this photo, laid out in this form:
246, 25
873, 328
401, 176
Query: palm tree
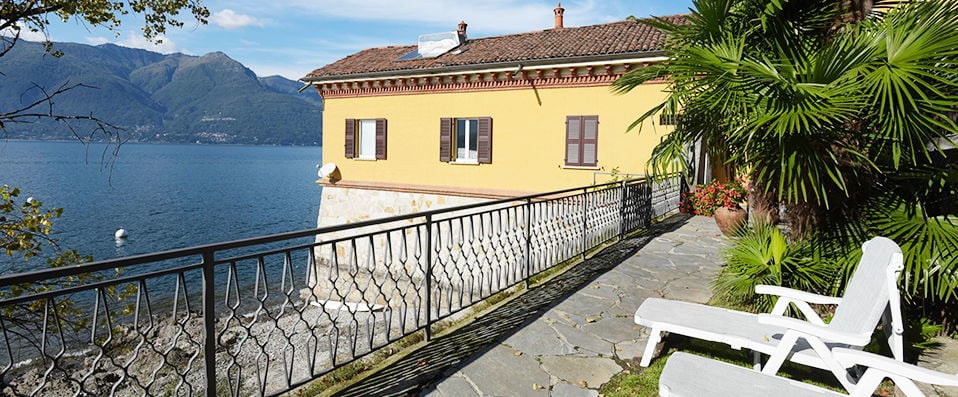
842, 111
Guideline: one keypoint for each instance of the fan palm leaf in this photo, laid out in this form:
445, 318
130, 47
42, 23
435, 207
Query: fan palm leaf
845, 113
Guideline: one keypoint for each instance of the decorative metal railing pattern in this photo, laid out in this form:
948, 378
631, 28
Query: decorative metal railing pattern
265, 315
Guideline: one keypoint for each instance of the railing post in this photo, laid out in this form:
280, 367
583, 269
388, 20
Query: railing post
585, 220
683, 190
528, 241
650, 213
428, 331
209, 323
621, 210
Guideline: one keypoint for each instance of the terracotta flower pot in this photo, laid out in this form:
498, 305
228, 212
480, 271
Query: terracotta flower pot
728, 219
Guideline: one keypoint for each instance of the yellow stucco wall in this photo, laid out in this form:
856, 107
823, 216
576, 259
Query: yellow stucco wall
528, 136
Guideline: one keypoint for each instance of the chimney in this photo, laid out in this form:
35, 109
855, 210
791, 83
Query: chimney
559, 11
462, 31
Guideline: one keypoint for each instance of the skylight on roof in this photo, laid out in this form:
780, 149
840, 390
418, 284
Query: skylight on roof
433, 45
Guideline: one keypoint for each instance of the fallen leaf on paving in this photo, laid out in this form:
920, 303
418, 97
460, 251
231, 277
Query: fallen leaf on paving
518, 353
589, 320
535, 386
584, 384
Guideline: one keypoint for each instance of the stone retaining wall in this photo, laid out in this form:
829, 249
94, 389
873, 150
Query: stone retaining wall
342, 205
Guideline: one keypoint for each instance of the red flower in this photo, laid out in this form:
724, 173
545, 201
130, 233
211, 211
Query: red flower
706, 198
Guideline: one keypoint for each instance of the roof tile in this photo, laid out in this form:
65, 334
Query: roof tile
625, 37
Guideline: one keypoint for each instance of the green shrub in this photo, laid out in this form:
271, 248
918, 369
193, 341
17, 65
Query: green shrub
762, 255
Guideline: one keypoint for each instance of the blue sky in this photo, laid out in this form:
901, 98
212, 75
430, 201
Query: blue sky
293, 37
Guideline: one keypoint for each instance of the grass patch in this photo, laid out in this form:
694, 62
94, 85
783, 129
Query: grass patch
353, 370
637, 382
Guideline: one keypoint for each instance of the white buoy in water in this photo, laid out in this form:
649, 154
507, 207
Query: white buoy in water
120, 234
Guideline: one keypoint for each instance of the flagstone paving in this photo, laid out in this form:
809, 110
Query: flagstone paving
582, 341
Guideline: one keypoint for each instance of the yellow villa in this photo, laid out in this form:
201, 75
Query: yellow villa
457, 120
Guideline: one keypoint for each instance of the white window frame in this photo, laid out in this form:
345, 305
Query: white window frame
366, 139
469, 123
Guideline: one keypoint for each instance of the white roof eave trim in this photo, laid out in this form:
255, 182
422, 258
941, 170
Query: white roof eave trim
399, 75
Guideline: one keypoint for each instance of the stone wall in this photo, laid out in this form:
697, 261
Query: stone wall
341, 205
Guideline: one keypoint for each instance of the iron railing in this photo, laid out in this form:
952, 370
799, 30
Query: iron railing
263, 316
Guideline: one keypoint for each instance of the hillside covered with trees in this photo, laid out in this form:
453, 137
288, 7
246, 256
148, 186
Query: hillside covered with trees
153, 97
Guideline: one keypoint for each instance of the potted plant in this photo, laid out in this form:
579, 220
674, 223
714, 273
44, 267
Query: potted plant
720, 200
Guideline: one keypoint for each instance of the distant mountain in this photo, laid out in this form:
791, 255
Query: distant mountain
159, 98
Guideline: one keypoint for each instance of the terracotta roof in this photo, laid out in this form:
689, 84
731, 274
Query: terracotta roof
610, 39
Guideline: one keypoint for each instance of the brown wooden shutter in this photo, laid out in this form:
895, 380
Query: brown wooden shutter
445, 139
573, 127
380, 139
350, 138
581, 140
590, 140
484, 140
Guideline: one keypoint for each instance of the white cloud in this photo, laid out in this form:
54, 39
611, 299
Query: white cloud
230, 20
292, 72
166, 46
290, 62
97, 40
134, 40
25, 33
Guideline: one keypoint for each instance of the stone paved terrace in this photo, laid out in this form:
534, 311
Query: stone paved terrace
570, 335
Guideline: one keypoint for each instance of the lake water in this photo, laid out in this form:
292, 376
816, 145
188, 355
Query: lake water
165, 196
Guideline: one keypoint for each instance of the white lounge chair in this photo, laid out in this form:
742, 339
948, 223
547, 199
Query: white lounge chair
871, 295
690, 375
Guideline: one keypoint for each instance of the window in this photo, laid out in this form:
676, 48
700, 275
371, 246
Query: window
465, 140
366, 139
581, 141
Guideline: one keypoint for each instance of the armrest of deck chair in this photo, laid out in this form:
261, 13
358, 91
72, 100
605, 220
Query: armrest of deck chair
786, 292
822, 332
800, 299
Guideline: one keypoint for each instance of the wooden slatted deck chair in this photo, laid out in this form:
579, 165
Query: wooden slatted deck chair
871, 296
690, 375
